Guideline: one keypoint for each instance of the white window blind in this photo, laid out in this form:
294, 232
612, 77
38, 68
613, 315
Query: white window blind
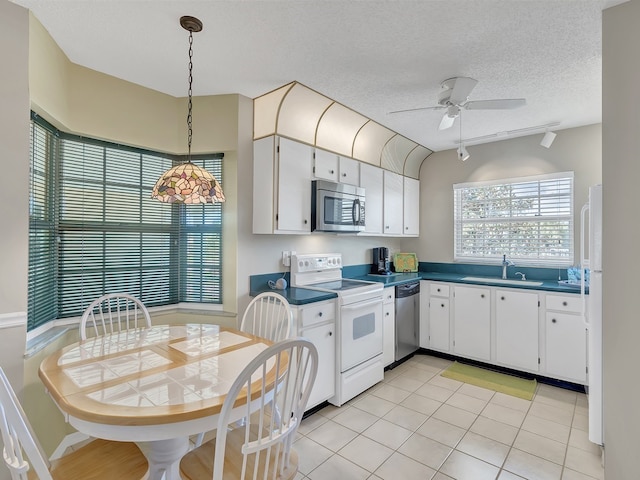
95, 229
530, 220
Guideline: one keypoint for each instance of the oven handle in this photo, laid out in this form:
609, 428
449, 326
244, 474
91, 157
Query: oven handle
362, 304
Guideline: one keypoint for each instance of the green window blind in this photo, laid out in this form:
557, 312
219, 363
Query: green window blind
106, 234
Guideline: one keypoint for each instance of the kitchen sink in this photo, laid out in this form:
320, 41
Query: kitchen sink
504, 281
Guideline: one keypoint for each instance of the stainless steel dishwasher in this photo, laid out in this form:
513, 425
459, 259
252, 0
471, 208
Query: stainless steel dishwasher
407, 319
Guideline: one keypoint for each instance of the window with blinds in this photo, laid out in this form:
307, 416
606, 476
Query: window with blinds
530, 220
94, 228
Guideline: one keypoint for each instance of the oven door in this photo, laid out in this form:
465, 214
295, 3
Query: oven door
360, 332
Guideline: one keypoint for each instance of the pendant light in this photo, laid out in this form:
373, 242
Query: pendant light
188, 183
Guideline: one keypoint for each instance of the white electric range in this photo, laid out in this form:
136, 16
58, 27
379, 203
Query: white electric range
359, 362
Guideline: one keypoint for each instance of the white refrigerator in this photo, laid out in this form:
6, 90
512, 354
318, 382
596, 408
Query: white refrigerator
591, 258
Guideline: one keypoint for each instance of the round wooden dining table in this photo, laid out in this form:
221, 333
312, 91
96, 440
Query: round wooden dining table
154, 386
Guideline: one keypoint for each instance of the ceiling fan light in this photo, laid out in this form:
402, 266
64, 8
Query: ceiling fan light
462, 153
548, 139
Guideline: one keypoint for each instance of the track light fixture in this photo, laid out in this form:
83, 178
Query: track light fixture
548, 139
462, 153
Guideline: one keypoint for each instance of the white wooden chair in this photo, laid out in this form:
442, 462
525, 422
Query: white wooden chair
269, 316
114, 312
262, 447
23, 455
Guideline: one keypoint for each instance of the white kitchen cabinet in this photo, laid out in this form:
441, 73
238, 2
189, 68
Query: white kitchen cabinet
388, 326
439, 335
281, 186
517, 329
349, 171
411, 207
325, 165
566, 338
472, 322
392, 208
371, 179
316, 322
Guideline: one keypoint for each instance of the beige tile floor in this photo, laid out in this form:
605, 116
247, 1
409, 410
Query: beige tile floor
419, 425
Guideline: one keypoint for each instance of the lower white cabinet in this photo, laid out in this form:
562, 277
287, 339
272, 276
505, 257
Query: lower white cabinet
439, 325
472, 322
529, 330
517, 329
389, 326
316, 322
566, 339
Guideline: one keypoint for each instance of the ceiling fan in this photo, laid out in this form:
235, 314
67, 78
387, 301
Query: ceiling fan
455, 96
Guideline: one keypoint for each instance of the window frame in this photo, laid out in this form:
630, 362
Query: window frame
521, 220
50, 219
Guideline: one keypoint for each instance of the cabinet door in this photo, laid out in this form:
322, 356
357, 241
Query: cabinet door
517, 329
392, 209
411, 206
472, 322
388, 333
294, 187
323, 337
439, 324
566, 344
424, 314
371, 180
349, 171
325, 165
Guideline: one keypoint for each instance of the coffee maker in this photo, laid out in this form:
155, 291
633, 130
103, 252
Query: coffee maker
380, 264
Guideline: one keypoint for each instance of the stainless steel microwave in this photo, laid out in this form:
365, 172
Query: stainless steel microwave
336, 207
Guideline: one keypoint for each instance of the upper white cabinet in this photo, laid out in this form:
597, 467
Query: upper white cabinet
392, 208
472, 322
517, 329
371, 180
411, 207
282, 174
336, 168
281, 186
349, 171
325, 165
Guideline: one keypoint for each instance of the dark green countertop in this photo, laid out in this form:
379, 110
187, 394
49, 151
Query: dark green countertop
399, 279
298, 296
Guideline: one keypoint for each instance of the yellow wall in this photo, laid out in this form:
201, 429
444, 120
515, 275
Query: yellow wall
85, 102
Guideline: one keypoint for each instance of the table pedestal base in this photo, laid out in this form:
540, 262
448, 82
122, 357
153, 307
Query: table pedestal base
164, 457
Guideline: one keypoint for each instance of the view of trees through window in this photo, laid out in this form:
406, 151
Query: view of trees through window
529, 220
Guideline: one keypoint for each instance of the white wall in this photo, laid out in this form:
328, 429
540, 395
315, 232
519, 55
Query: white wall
576, 149
620, 260
14, 216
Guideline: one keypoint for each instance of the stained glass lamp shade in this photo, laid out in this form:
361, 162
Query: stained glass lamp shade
188, 183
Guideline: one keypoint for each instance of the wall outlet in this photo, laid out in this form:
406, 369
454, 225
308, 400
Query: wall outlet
286, 258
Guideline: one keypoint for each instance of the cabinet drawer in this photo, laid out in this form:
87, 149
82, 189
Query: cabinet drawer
313, 314
389, 295
439, 290
564, 303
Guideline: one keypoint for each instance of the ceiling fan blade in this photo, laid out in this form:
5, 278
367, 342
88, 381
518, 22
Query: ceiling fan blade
461, 89
446, 122
501, 104
437, 107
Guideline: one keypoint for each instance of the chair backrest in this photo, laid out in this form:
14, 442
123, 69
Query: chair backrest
269, 316
114, 312
18, 438
269, 432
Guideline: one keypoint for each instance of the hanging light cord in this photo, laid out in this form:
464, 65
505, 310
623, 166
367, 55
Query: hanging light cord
190, 94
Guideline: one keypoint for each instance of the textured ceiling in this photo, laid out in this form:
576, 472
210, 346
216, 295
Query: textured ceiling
372, 56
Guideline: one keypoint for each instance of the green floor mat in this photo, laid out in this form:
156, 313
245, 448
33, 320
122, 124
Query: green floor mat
500, 382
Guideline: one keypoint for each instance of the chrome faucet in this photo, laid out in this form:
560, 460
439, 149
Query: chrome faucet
523, 275
505, 263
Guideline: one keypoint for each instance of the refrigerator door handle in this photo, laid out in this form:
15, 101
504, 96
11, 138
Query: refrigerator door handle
584, 262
